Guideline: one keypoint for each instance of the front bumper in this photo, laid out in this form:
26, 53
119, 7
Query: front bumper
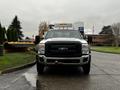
63, 60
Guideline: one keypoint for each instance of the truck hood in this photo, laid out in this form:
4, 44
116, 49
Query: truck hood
63, 39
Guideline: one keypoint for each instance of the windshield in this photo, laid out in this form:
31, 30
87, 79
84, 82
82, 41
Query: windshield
63, 34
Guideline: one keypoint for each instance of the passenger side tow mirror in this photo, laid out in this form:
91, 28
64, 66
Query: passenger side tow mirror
86, 38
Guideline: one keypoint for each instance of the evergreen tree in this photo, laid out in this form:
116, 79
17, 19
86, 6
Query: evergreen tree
15, 35
2, 34
14, 31
12, 34
9, 34
106, 30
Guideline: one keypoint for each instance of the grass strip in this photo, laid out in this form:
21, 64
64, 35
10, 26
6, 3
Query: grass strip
106, 49
10, 60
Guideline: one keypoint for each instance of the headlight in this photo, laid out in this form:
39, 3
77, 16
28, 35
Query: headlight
85, 49
41, 49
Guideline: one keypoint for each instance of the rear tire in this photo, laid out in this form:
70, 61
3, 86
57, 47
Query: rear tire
86, 67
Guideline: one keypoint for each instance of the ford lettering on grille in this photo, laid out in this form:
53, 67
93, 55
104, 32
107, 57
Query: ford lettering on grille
63, 49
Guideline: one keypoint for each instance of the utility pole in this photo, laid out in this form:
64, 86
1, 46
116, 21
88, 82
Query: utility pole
93, 29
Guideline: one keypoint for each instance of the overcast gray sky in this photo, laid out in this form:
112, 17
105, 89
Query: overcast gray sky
31, 12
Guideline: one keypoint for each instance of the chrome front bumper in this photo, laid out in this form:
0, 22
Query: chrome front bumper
82, 60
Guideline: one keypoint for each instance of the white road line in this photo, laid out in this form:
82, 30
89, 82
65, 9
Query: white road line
31, 78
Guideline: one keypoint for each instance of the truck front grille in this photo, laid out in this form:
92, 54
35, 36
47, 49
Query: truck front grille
63, 49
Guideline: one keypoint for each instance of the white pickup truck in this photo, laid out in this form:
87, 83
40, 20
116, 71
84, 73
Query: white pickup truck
63, 47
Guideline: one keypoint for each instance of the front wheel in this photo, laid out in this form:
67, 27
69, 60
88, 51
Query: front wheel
86, 67
40, 68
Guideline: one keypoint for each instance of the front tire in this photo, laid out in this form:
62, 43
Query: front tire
40, 68
86, 67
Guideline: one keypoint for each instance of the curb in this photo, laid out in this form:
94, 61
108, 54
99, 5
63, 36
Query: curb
104, 52
17, 68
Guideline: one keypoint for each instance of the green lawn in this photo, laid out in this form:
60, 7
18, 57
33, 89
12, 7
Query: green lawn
106, 49
10, 60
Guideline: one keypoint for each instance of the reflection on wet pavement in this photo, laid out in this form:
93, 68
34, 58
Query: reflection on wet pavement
63, 78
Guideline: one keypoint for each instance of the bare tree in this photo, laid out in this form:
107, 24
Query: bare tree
116, 33
43, 27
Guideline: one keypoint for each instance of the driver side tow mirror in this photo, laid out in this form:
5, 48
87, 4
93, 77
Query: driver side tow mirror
37, 40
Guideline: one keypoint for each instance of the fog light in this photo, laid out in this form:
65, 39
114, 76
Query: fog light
85, 59
41, 59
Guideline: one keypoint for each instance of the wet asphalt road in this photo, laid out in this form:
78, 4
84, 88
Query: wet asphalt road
104, 75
